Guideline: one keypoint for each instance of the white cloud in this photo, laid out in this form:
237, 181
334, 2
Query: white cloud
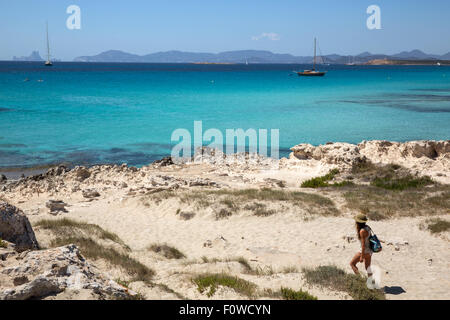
267, 35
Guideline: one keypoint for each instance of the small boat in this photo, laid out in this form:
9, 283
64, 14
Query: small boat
313, 72
48, 63
352, 62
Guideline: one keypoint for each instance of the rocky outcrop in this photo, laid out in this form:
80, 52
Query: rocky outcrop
331, 153
412, 149
81, 173
15, 228
38, 274
57, 171
164, 162
347, 153
425, 158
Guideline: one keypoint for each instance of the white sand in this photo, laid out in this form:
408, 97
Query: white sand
417, 270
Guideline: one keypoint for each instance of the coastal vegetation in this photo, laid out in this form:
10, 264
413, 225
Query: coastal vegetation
379, 203
333, 278
210, 283
65, 226
89, 238
320, 182
167, 251
257, 201
289, 294
438, 225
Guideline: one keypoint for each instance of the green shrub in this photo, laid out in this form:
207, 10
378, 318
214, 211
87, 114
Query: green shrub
3, 244
213, 281
320, 182
289, 294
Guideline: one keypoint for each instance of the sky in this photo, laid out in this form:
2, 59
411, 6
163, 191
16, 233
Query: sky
281, 26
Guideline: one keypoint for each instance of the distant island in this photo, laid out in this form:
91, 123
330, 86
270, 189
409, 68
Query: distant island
254, 57
384, 62
34, 56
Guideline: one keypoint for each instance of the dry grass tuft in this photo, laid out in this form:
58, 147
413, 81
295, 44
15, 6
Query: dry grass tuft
82, 234
63, 227
167, 251
438, 225
380, 203
259, 209
93, 250
337, 279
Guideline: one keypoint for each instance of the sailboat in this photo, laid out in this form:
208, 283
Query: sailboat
351, 62
313, 72
48, 63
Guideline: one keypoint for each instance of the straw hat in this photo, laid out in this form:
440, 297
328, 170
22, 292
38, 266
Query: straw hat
361, 218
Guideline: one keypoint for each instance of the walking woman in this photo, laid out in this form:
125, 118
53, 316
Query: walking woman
365, 253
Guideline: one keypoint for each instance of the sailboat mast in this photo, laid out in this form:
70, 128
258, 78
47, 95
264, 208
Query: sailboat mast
314, 67
48, 44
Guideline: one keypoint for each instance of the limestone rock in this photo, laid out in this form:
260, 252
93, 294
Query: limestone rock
15, 228
57, 171
335, 153
187, 215
56, 206
90, 193
7, 249
49, 272
164, 162
82, 173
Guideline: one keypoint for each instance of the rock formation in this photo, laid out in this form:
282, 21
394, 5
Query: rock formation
15, 228
38, 274
27, 273
426, 157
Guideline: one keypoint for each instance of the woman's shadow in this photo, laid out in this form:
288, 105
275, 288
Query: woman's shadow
395, 290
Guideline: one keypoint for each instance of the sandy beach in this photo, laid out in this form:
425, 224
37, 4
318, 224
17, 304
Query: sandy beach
253, 219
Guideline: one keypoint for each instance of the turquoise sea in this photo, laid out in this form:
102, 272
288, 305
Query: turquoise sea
116, 113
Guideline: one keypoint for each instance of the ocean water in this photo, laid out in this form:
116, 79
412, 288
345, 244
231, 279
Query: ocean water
116, 113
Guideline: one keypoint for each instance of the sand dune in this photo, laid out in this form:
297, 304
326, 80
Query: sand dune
159, 205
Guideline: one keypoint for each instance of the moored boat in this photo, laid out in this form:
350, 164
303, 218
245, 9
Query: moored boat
313, 72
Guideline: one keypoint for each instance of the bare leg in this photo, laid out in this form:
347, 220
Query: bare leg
367, 262
353, 263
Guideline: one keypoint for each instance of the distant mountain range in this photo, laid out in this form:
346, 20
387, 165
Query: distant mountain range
252, 56
241, 56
